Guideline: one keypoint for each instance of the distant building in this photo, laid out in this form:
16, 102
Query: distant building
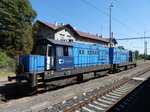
66, 32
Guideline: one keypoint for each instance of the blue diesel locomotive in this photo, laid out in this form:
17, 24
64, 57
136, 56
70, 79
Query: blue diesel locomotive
56, 63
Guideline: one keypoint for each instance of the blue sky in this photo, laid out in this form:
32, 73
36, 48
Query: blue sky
130, 18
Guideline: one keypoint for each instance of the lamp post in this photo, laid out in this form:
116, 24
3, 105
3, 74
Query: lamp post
145, 47
110, 33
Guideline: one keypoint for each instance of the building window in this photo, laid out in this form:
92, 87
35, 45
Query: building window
70, 40
62, 39
62, 35
68, 36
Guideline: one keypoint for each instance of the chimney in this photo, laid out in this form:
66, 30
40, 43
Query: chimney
89, 32
99, 35
62, 24
55, 23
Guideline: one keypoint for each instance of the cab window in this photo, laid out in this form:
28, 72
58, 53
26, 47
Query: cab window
41, 50
64, 51
70, 51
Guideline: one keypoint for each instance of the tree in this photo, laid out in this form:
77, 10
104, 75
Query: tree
136, 54
121, 47
7, 64
16, 17
148, 57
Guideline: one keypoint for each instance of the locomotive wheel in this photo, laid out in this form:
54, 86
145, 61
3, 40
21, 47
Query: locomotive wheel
80, 78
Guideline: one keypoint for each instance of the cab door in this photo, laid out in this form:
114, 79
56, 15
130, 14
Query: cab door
50, 57
64, 58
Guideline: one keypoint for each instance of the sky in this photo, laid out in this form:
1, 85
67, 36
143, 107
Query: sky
130, 18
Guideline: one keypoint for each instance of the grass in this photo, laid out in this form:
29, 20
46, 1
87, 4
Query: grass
4, 73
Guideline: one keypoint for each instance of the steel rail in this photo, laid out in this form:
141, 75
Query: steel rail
104, 93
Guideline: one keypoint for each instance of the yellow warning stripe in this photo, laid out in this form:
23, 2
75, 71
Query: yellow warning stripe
40, 82
39, 78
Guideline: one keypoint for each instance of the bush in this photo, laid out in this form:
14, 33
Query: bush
7, 64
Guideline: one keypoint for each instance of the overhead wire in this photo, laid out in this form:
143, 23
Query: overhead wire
85, 19
130, 14
80, 26
133, 38
123, 24
77, 16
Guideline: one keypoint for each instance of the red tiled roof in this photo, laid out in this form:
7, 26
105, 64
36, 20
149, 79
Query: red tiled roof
82, 34
49, 25
113, 39
91, 36
54, 26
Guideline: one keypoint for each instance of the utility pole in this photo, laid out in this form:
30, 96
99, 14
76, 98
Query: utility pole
110, 33
101, 31
145, 47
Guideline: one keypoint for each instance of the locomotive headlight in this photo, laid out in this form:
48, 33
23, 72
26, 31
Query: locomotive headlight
24, 81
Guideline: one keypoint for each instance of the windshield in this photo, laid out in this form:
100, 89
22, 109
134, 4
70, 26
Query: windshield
41, 50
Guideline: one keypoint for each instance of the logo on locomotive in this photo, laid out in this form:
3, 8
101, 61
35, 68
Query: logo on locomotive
62, 61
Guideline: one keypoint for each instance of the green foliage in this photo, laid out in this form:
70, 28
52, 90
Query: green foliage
121, 47
142, 56
136, 54
139, 58
148, 57
16, 17
6, 63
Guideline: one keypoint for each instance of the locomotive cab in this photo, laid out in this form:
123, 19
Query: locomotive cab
46, 49
50, 56
58, 54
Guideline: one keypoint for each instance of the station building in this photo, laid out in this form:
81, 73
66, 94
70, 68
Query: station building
66, 32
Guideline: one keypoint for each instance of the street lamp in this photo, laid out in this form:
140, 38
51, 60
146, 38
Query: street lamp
110, 33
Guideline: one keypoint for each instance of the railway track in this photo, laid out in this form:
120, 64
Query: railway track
71, 96
8, 91
107, 99
103, 100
